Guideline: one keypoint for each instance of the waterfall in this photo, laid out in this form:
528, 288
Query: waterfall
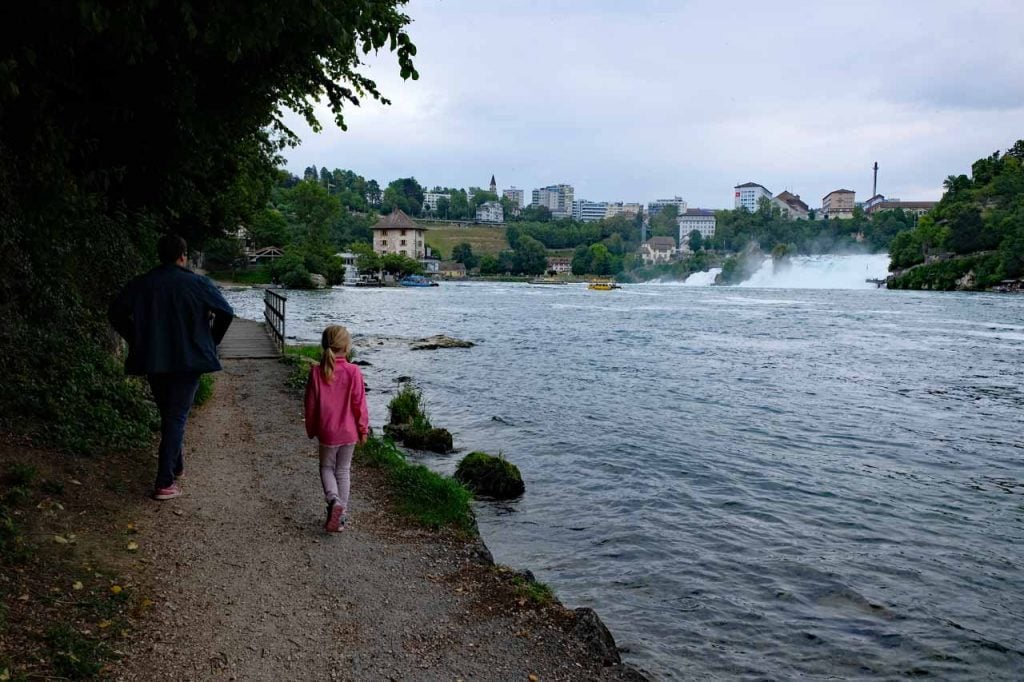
702, 279
821, 272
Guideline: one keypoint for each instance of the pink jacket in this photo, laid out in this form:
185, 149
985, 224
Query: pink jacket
336, 412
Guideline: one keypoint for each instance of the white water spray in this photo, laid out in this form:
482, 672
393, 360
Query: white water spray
702, 279
821, 272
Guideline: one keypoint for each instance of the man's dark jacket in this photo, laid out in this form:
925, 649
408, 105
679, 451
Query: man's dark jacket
164, 315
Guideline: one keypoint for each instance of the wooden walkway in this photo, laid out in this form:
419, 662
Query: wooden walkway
247, 340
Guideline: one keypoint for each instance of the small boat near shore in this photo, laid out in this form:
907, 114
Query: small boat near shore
603, 285
416, 281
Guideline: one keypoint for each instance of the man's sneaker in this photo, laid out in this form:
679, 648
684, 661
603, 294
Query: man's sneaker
334, 512
168, 493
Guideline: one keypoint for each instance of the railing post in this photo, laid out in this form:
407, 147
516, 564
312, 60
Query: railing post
274, 313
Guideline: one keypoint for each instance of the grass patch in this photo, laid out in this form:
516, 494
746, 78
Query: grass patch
532, 590
425, 497
483, 240
407, 408
410, 424
299, 358
205, 390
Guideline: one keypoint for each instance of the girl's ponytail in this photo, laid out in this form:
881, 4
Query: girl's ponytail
327, 364
334, 342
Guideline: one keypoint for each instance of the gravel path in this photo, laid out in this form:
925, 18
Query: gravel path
247, 586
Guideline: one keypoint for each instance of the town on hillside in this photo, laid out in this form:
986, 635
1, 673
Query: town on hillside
338, 228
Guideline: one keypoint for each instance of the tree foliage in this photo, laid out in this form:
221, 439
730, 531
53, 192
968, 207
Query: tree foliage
118, 123
980, 214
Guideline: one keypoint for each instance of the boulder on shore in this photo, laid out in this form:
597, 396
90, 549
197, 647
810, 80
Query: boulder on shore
490, 476
319, 281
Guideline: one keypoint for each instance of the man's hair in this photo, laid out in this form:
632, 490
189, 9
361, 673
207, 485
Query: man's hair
170, 248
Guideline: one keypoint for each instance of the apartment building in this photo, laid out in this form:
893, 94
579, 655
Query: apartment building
654, 207
700, 219
749, 194
556, 198
515, 195
589, 211
838, 204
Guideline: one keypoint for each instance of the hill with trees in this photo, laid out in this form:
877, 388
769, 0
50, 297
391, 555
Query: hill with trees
974, 237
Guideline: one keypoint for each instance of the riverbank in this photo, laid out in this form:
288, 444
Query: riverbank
236, 579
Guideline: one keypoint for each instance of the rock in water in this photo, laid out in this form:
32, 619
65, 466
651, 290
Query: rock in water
434, 440
596, 636
319, 281
490, 476
441, 341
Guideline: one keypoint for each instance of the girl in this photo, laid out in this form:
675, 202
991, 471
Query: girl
336, 416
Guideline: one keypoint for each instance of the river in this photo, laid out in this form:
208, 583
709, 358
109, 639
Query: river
757, 482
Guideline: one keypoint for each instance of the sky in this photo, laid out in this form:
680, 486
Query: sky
646, 99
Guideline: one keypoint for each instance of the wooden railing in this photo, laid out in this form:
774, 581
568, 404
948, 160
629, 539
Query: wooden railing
273, 311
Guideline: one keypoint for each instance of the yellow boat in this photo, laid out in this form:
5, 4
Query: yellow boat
603, 285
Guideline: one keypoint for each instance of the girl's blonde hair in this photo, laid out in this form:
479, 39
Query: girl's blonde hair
335, 342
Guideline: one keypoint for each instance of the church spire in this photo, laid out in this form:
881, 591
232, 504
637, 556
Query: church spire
494, 185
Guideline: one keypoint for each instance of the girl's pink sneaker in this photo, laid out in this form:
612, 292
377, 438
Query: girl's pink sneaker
334, 512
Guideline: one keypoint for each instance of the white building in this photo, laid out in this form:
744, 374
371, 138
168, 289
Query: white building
430, 200
556, 198
589, 211
700, 219
654, 207
658, 250
398, 233
748, 194
623, 208
490, 212
515, 195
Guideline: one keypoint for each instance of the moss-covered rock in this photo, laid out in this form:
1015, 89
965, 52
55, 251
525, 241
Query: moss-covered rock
410, 435
490, 476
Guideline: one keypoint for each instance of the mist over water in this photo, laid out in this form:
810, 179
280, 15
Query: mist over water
821, 272
746, 483
810, 272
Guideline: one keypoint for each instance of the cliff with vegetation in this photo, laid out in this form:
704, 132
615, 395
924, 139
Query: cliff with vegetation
974, 238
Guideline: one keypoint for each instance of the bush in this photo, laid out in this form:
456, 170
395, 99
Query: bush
490, 476
297, 278
80, 401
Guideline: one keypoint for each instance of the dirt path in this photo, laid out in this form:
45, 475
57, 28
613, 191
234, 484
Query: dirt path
246, 585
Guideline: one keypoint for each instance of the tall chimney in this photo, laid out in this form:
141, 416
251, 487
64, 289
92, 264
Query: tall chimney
874, 186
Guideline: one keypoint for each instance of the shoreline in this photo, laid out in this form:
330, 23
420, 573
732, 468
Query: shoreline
236, 579
590, 628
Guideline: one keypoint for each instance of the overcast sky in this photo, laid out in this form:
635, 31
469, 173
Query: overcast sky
645, 99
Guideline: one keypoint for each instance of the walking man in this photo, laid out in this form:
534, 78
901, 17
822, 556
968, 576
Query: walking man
173, 320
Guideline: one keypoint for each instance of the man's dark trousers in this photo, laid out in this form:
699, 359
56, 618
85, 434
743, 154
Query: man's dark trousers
173, 393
